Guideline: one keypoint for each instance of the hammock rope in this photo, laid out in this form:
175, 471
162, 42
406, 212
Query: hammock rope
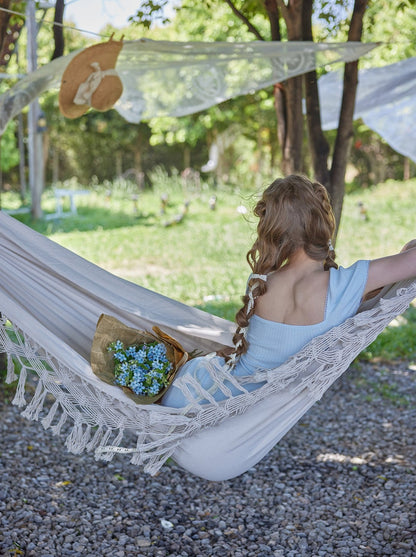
51, 342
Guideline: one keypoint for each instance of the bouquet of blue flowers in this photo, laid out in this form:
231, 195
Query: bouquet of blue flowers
142, 363
143, 368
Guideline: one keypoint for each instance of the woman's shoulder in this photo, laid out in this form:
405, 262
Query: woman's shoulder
353, 272
347, 284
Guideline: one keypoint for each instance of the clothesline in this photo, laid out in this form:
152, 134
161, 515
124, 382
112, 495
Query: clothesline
53, 23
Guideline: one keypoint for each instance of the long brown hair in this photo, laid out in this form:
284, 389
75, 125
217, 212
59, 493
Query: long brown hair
293, 213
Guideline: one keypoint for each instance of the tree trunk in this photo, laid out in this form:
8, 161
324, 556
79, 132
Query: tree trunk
4, 21
55, 166
58, 30
345, 128
292, 148
118, 163
318, 145
138, 160
406, 168
288, 95
279, 93
186, 157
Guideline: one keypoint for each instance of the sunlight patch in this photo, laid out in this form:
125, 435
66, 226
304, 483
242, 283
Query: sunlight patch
337, 457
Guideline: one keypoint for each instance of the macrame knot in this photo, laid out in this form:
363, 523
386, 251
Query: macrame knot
232, 360
90, 85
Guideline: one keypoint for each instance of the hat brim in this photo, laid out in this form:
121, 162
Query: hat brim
79, 69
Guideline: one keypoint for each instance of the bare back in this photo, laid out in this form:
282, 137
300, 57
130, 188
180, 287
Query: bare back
295, 295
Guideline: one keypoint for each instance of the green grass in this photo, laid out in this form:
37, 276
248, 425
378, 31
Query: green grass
391, 221
201, 261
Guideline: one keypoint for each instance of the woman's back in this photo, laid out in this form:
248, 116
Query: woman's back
329, 298
296, 294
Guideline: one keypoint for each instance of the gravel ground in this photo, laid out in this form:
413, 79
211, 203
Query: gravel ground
342, 482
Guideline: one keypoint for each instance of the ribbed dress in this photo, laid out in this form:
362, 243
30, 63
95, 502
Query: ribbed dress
272, 343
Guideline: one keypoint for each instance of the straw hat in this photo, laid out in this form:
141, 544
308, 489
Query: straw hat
90, 80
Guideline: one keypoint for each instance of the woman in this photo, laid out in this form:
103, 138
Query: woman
295, 293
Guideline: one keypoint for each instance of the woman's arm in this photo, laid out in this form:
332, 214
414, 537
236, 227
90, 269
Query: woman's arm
393, 268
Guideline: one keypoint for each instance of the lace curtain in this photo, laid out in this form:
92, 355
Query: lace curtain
163, 78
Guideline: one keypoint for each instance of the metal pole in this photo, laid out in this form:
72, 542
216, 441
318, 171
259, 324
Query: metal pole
34, 144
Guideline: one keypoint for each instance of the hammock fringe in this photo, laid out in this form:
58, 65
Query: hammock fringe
11, 375
19, 399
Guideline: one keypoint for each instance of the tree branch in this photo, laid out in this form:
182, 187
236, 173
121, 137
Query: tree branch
273, 15
245, 20
293, 15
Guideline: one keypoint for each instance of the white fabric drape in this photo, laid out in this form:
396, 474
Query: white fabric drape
50, 300
386, 102
162, 78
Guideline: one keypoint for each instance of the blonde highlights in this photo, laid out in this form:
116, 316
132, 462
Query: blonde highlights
294, 213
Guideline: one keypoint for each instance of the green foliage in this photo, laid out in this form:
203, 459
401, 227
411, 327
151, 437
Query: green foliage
214, 21
389, 225
391, 24
9, 154
99, 144
150, 12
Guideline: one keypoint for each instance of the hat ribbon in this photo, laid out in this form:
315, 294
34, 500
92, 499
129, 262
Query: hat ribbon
90, 85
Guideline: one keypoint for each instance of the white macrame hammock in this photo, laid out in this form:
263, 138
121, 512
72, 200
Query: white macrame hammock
50, 301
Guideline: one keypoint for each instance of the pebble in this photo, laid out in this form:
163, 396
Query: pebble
341, 483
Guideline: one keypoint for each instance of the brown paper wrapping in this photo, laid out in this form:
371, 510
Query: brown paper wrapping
110, 329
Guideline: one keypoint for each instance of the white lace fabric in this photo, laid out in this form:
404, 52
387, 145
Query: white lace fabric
162, 78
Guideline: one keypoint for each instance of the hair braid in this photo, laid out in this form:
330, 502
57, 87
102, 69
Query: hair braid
256, 287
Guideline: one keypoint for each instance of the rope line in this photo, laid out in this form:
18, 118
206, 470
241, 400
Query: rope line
56, 23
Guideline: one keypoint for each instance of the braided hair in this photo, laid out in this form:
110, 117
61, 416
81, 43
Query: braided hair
293, 213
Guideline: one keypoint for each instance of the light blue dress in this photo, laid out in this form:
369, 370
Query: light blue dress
272, 343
